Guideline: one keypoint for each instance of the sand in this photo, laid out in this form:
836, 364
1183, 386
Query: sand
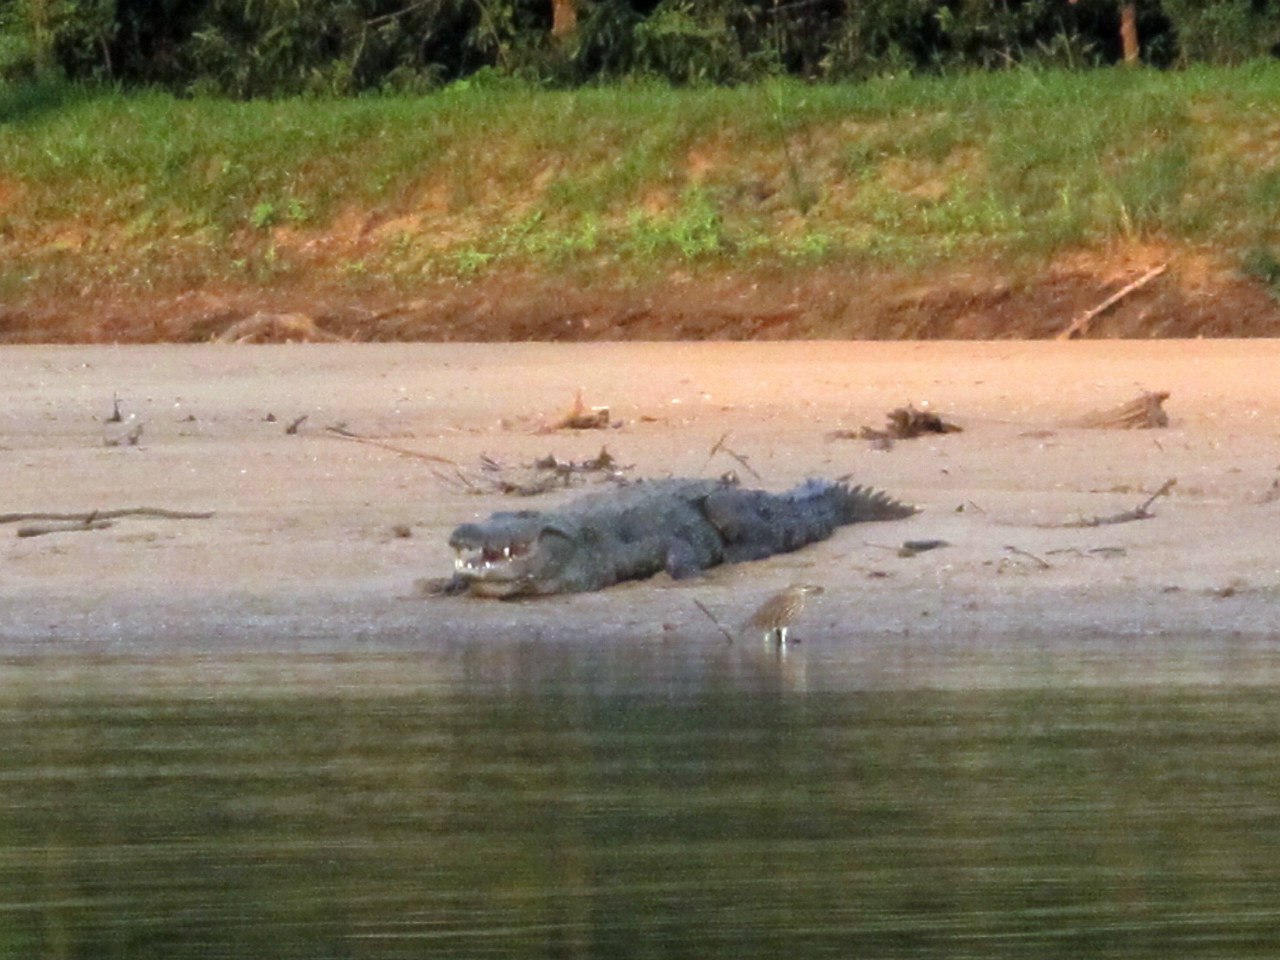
317, 543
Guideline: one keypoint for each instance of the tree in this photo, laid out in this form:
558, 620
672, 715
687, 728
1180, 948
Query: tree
1128, 31
564, 18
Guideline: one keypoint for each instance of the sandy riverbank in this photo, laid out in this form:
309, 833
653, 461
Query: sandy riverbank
303, 548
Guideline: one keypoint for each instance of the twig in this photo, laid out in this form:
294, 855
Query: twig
388, 17
95, 515
344, 434
1164, 489
455, 479
719, 626
40, 530
720, 445
1081, 323
1042, 564
1140, 512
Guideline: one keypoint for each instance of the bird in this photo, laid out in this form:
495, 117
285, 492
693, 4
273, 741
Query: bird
777, 613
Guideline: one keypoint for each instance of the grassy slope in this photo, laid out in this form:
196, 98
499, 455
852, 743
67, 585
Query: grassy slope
149, 191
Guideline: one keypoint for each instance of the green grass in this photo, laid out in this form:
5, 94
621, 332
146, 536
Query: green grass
633, 178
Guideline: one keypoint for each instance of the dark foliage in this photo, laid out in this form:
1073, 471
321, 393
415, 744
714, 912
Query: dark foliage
253, 48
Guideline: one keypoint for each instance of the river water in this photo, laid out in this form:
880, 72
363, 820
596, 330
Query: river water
543, 800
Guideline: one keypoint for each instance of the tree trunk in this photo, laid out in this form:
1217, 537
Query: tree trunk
564, 18
1129, 33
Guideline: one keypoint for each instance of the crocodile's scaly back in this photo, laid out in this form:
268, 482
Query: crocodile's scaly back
755, 524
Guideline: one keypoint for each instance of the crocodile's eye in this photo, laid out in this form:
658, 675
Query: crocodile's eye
552, 530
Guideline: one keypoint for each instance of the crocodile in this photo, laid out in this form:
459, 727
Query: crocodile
682, 526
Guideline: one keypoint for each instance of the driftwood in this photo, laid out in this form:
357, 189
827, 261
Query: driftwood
92, 515
602, 462
582, 417
277, 328
902, 423
40, 529
92, 520
1144, 413
541, 476
1140, 512
342, 433
1038, 561
1081, 323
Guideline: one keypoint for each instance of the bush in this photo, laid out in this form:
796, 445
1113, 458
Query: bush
1224, 31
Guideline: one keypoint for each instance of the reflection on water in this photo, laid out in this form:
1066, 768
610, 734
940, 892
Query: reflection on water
574, 803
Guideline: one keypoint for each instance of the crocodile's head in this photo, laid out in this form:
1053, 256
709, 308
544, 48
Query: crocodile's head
514, 554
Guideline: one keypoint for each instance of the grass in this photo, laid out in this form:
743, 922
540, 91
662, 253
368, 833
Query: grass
102, 186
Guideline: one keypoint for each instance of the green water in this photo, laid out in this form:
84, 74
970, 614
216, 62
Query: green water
527, 803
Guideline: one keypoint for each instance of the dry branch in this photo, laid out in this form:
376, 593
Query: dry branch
1144, 413
277, 328
1140, 512
1039, 562
1081, 323
580, 417
902, 423
720, 446
342, 433
542, 475
94, 515
39, 530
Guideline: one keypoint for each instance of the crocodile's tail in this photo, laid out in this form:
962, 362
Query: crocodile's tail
856, 504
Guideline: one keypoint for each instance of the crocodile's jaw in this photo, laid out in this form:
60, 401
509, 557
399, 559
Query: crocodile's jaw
496, 571
498, 589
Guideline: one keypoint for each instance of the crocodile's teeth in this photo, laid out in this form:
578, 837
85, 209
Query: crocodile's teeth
506, 552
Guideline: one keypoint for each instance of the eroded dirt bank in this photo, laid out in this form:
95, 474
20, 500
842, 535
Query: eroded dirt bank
1197, 295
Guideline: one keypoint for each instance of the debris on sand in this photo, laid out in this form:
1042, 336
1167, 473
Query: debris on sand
721, 446
1144, 413
1140, 512
276, 328
93, 519
582, 417
913, 548
541, 476
902, 423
